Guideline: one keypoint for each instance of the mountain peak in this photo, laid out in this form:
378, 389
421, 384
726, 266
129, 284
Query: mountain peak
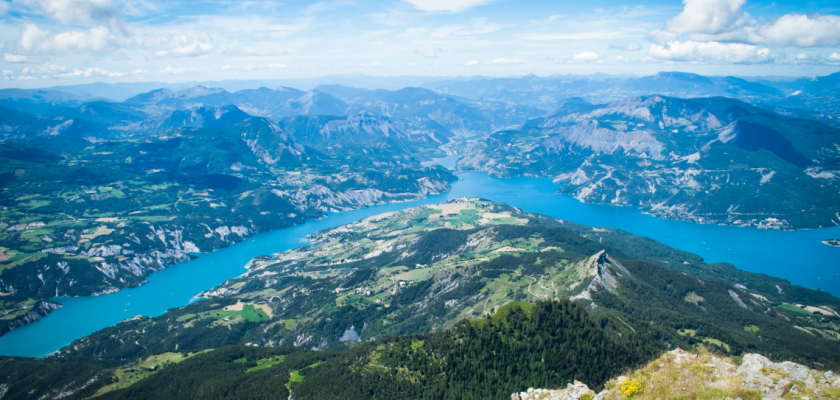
684, 76
199, 90
287, 89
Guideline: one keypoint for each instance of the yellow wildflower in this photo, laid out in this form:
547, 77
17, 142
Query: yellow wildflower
632, 387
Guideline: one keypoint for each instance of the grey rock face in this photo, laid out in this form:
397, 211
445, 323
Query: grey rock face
756, 367
573, 391
41, 310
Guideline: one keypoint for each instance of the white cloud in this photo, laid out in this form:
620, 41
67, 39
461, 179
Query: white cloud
176, 71
53, 71
446, 5
429, 52
586, 57
4, 8
47, 68
723, 21
20, 59
91, 72
177, 46
802, 56
505, 61
834, 57
38, 41
791, 29
277, 66
797, 30
735, 53
107, 32
706, 16
629, 47
7, 75
472, 63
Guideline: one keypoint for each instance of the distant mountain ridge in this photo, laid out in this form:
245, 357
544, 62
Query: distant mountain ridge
477, 87
424, 109
543, 92
816, 94
666, 147
438, 107
263, 102
204, 117
714, 159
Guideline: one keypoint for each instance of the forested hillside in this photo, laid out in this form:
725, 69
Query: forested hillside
547, 344
523, 345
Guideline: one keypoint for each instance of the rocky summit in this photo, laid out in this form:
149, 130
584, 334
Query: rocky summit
577, 390
690, 375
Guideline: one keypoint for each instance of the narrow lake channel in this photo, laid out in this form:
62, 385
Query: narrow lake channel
797, 256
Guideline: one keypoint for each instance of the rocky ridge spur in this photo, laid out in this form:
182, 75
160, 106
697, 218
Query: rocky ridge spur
683, 374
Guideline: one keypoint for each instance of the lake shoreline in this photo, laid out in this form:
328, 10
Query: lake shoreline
751, 250
766, 224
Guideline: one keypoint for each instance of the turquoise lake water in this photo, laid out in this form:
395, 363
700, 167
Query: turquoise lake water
796, 256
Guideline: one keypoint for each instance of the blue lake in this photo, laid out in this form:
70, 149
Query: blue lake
797, 256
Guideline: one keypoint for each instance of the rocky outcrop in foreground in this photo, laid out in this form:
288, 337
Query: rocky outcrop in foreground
682, 374
572, 391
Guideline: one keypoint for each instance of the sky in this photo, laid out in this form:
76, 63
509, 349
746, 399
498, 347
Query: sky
61, 42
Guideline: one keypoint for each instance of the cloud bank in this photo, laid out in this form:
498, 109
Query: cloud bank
718, 31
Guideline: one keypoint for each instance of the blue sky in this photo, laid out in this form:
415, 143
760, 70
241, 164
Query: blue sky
54, 42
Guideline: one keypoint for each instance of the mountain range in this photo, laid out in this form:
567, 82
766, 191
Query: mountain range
678, 84
476, 104
73, 157
466, 299
708, 160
